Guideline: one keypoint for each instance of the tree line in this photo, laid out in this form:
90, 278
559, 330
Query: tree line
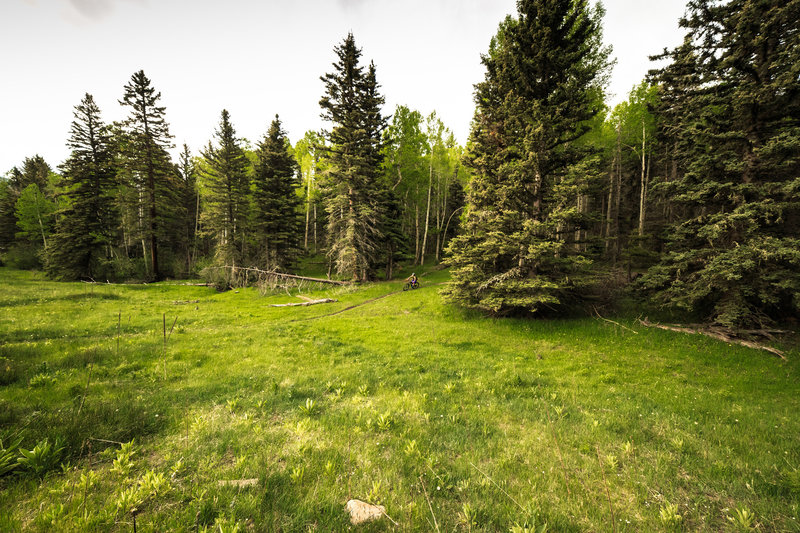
692, 183
689, 188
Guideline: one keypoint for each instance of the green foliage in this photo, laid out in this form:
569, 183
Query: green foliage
727, 107
227, 183
352, 104
35, 214
8, 455
403, 387
275, 202
43, 458
516, 251
151, 178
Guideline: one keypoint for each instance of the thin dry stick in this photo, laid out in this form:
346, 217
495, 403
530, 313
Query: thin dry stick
614, 322
173, 327
499, 487
164, 351
608, 494
558, 449
105, 440
390, 518
86, 389
435, 523
347, 469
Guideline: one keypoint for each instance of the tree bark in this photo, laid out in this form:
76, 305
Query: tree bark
643, 184
427, 212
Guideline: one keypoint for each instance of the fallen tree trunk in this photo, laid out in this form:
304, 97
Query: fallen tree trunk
282, 275
715, 333
306, 303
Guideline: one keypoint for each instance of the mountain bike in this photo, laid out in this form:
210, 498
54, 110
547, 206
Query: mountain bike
410, 285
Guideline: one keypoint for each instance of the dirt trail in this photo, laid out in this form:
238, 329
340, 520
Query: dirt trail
365, 302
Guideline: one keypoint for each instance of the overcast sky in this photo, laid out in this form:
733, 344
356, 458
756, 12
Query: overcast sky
257, 58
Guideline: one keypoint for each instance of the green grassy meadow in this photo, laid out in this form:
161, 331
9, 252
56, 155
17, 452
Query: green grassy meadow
451, 420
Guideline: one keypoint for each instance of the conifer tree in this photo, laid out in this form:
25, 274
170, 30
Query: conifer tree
190, 203
352, 104
730, 104
87, 227
544, 76
277, 225
225, 169
148, 140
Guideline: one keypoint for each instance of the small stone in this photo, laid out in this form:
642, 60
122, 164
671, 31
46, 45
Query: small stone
362, 512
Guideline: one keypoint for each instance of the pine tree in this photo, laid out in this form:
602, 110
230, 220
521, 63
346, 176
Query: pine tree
277, 224
733, 257
190, 204
148, 140
352, 104
225, 169
88, 226
544, 77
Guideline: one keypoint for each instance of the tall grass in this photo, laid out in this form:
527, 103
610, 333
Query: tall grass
448, 419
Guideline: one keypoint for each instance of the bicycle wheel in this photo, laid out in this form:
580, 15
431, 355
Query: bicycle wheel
407, 286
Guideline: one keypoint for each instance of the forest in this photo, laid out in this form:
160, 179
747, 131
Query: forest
146, 386
689, 188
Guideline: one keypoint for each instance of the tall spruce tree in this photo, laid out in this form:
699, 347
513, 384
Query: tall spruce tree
277, 224
88, 226
544, 76
225, 169
190, 205
352, 103
731, 106
148, 140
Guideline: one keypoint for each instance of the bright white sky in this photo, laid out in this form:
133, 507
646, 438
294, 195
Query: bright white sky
257, 58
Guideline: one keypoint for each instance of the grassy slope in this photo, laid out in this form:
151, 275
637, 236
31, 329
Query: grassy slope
429, 410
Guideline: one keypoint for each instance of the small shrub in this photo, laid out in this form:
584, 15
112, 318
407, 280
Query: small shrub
41, 380
153, 484
123, 464
743, 518
528, 528
44, 457
298, 472
127, 500
8, 456
411, 448
385, 422
310, 407
375, 493
668, 514
468, 516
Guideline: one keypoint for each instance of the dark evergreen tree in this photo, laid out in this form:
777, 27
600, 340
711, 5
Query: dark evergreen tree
190, 204
88, 226
456, 201
731, 103
352, 104
148, 140
225, 169
544, 76
395, 242
277, 223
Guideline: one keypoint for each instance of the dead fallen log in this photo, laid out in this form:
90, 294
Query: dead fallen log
282, 275
715, 333
306, 303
